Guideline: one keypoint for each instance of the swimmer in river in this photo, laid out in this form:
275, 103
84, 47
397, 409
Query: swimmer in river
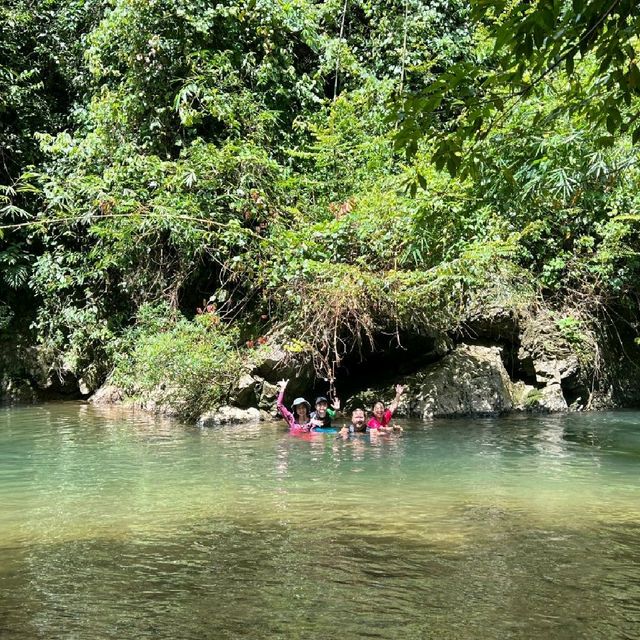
322, 416
300, 420
381, 418
358, 424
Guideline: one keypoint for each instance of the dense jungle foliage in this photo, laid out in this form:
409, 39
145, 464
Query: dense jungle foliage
182, 179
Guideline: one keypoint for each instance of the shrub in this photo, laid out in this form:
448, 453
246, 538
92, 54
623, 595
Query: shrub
186, 366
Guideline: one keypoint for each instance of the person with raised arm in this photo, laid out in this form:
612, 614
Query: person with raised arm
382, 416
300, 420
322, 416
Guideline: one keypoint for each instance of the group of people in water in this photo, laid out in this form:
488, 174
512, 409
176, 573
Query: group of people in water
301, 419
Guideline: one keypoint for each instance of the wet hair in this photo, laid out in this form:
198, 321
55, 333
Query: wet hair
378, 401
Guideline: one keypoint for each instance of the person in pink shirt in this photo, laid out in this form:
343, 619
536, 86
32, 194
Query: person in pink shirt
300, 420
382, 416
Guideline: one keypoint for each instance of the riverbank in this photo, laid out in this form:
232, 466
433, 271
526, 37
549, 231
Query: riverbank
504, 360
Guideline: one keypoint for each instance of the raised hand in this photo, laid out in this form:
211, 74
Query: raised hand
335, 405
282, 384
399, 391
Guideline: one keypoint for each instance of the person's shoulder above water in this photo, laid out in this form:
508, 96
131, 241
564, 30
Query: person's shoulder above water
299, 418
323, 414
357, 425
382, 415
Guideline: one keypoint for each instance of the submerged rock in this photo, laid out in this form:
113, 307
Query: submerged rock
229, 415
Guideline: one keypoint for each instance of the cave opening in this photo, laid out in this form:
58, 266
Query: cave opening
392, 357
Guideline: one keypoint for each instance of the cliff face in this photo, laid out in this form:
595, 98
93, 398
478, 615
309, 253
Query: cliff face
534, 360
499, 361
531, 360
25, 378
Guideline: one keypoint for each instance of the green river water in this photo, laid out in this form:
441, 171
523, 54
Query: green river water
116, 525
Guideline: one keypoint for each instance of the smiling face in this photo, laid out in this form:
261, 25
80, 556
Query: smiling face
321, 408
378, 410
357, 417
302, 413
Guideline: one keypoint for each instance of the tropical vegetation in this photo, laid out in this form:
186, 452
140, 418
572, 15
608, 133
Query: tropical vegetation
183, 179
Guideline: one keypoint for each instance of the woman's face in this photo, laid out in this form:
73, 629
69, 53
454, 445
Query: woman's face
378, 410
302, 413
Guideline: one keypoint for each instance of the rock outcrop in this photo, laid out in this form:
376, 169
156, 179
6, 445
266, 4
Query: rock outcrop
470, 380
108, 394
507, 360
272, 363
228, 415
14, 391
549, 356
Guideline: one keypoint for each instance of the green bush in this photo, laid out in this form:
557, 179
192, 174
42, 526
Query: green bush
183, 365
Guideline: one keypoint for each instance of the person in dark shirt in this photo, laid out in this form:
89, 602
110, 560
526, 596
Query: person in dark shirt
322, 416
358, 424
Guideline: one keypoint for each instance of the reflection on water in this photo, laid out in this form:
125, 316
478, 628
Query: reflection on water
115, 525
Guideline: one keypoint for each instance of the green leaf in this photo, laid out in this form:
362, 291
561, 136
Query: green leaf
452, 165
569, 64
633, 77
503, 34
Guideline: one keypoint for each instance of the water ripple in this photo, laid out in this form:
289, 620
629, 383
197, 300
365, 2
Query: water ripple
117, 525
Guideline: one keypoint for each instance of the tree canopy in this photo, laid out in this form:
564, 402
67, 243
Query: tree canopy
223, 172
586, 50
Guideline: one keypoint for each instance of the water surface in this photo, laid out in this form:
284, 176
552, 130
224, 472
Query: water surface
115, 525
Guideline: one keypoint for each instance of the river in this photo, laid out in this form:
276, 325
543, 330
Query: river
117, 525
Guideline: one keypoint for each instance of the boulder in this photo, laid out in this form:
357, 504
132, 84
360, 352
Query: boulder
107, 394
545, 353
472, 380
522, 395
549, 399
246, 391
92, 378
158, 407
268, 397
228, 415
13, 391
273, 363
499, 323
